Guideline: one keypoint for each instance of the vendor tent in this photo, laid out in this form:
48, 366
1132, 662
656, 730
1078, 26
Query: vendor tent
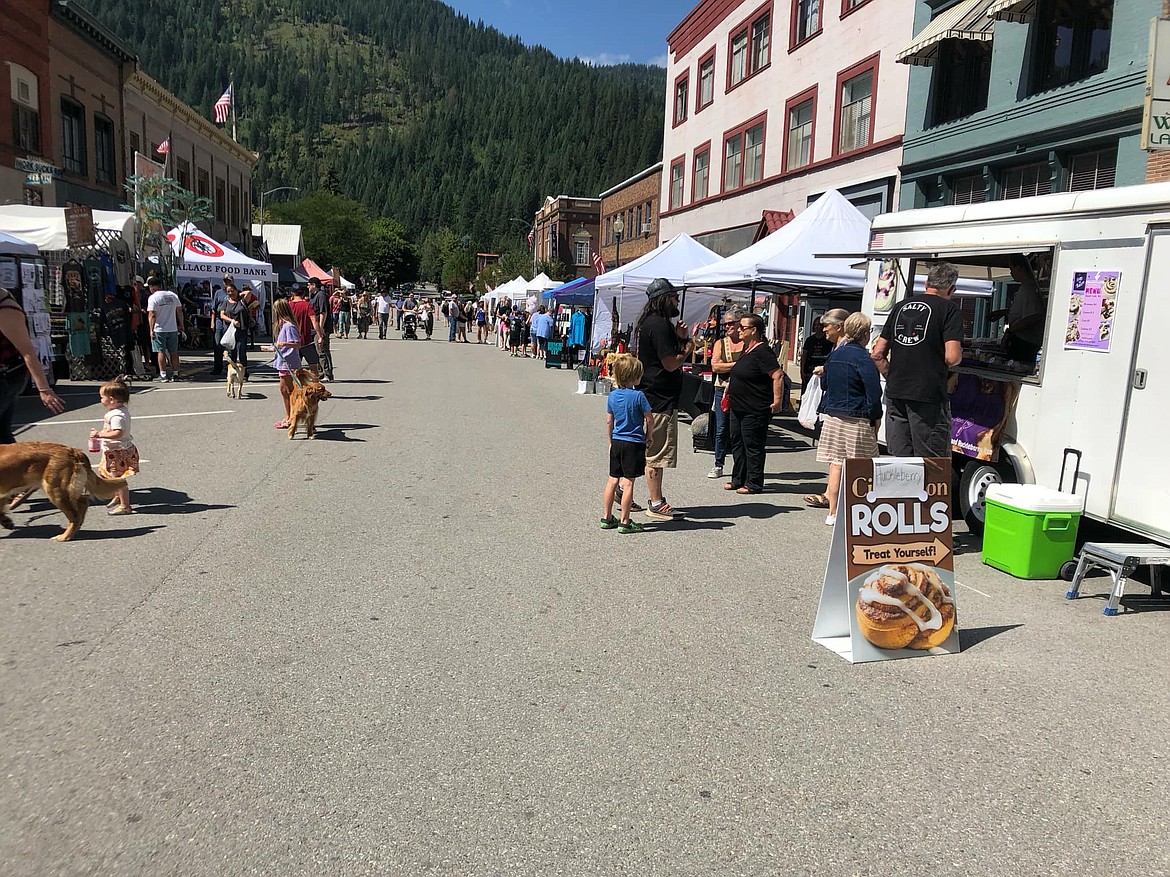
10, 245
315, 271
345, 284
45, 226
541, 282
287, 277
575, 292
671, 260
206, 259
786, 260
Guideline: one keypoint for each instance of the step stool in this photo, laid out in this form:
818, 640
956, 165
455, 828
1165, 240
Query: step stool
1120, 559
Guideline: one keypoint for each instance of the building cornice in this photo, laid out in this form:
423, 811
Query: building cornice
154, 90
636, 178
84, 24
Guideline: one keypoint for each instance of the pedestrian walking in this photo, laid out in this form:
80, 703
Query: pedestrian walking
628, 420
755, 391
920, 341
384, 304
119, 453
428, 311
724, 355
234, 313
18, 362
164, 312
362, 311
287, 347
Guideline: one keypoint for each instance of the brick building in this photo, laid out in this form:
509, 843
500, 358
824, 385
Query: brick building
636, 201
26, 139
567, 230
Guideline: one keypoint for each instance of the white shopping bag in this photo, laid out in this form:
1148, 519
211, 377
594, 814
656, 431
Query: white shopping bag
810, 401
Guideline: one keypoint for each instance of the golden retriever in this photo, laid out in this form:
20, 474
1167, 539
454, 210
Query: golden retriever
64, 473
304, 401
236, 378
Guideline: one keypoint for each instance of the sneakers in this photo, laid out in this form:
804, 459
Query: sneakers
716, 472
609, 523
631, 527
662, 511
634, 507
830, 520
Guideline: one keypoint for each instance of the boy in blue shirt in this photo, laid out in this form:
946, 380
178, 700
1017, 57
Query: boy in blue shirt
628, 421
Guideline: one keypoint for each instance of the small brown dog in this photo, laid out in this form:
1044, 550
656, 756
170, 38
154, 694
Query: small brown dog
236, 378
304, 401
64, 473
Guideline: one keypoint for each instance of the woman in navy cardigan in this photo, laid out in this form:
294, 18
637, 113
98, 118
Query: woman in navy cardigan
851, 405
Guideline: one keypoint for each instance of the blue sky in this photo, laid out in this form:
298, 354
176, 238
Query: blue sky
600, 31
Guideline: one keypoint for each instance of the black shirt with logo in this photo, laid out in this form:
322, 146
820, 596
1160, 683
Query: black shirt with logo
917, 332
751, 386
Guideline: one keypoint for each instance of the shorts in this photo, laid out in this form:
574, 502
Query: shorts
627, 459
541, 343
662, 449
165, 342
115, 464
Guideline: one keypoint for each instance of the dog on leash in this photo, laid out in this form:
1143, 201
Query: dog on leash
236, 378
65, 475
303, 403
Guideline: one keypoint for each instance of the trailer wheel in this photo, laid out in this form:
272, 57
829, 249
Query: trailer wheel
1068, 570
973, 483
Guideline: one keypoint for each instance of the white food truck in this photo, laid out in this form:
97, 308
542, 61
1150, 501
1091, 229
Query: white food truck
1094, 401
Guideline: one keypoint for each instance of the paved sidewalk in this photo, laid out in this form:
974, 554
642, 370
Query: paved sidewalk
407, 648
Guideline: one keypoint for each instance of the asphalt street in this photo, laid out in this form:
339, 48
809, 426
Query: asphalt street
407, 648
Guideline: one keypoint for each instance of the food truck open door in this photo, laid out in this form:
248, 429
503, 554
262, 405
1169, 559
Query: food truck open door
1140, 495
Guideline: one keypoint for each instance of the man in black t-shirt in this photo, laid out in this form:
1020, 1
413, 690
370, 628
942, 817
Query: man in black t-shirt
922, 338
663, 346
323, 308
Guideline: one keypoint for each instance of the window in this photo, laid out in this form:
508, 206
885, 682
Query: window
73, 136
848, 6
855, 129
608, 231
34, 196
706, 81
202, 184
581, 252
638, 220
103, 148
647, 217
1070, 41
738, 58
676, 187
552, 241
681, 88
970, 189
220, 201
135, 143
743, 155
1092, 170
234, 209
961, 79
800, 134
701, 178
26, 114
806, 20
1024, 181
751, 47
183, 172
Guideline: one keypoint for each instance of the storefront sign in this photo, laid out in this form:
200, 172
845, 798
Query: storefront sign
889, 589
1090, 310
980, 408
1156, 118
38, 180
40, 168
79, 226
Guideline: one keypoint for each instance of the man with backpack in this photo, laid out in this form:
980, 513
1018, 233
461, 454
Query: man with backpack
323, 308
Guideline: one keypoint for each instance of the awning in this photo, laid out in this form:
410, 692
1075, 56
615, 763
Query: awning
315, 271
968, 20
1012, 10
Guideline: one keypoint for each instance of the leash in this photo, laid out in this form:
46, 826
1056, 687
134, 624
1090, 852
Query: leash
291, 372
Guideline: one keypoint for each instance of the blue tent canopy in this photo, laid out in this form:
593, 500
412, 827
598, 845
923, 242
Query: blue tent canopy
575, 292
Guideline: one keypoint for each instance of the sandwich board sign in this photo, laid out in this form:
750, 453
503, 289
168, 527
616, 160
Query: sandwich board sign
889, 589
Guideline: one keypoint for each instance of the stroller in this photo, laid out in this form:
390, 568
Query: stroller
410, 326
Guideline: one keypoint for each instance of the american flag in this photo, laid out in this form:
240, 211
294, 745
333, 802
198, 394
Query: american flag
598, 263
164, 147
531, 237
222, 106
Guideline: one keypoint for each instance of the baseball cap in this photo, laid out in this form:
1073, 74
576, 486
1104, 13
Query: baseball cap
138, 278
659, 287
154, 281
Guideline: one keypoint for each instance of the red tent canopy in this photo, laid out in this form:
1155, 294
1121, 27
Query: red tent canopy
315, 271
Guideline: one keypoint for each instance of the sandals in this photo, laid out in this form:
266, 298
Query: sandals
282, 425
816, 500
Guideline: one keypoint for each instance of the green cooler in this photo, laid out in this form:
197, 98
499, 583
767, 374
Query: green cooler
1030, 531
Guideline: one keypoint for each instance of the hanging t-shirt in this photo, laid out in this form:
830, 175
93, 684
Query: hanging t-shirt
73, 282
79, 333
917, 332
94, 275
577, 330
108, 285
123, 262
116, 320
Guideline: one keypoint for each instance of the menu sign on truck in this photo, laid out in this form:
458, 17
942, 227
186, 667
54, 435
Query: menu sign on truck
1090, 310
889, 589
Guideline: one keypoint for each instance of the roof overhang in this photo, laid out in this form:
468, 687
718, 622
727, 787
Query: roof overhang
966, 20
1021, 11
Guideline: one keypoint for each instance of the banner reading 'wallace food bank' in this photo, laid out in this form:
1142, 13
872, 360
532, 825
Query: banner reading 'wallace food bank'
889, 589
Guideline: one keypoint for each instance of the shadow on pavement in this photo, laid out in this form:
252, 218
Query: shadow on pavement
162, 501
362, 381
794, 476
336, 434
356, 398
47, 531
757, 510
969, 637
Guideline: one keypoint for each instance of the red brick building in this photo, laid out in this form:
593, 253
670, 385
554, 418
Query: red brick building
26, 139
567, 230
636, 201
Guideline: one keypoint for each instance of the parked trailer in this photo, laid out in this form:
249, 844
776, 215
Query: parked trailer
1096, 402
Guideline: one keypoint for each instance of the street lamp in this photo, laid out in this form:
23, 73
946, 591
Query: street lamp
262, 196
619, 226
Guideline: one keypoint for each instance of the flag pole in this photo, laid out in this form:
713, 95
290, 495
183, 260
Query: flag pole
232, 85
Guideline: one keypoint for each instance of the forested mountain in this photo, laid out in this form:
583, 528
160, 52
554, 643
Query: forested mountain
404, 105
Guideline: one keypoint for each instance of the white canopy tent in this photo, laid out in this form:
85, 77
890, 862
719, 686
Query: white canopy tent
11, 245
671, 260
45, 226
346, 284
206, 259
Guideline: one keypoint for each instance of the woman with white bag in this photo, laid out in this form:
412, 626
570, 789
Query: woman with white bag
851, 406
234, 314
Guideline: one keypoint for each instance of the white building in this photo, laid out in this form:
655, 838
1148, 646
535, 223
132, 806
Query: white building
770, 105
